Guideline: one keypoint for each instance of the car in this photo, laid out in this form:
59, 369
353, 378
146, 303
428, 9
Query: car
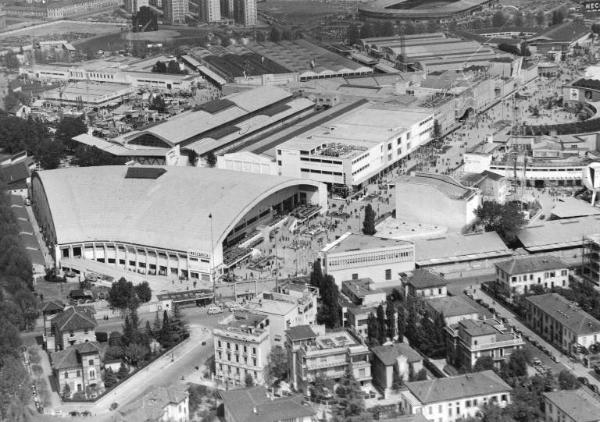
74, 413
204, 343
86, 413
215, 310
597, 369
537, 361
583, 380
555, 358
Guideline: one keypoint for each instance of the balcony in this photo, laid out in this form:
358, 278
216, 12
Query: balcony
517, 341
322, 365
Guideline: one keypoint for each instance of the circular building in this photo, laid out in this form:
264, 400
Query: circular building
402, 11
183, 221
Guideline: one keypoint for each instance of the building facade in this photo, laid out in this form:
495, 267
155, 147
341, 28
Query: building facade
78, 370
245, 12
74, 325
211, 10
591, 259
454, 398
175, 11
562, 323
425, 284
571, 406
517, 275
356, 256
160, 404
471, 339
394, 361
241, 348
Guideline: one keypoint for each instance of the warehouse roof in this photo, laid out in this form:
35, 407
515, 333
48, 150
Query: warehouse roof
174, 210
558, 233
458, 247
460, 387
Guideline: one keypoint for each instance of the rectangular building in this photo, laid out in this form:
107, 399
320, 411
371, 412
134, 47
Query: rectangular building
175, 11
353, 148
571, 406
328, 354
211, 10
360, 298
561, 322
398, 358
452, 308
591, 259
245, 12
355, 256
517, 275
470, 340
425, 284
455, 398
241, 348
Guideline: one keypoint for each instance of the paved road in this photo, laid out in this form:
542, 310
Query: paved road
578, 369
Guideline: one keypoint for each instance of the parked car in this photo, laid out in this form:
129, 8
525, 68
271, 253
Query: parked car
583, 380
537, 361
214, 310
555, 358
597, 369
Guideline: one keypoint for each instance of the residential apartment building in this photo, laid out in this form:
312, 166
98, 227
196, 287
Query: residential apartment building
74, 325
255, 404
355, 256
175, 11
242, 345
454, 398
561, 322
356, 146
77, 370
328, 354
211, 10
517, 275
452, 308
471, 339
571, 406
245, 12
161, 404
391, 359
290, 305
591, 259
425, 284
359, 298
133, 6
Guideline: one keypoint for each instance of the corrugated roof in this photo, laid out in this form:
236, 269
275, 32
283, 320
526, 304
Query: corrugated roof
457, 247
549, 235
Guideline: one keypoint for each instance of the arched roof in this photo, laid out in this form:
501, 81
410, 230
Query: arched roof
162, 207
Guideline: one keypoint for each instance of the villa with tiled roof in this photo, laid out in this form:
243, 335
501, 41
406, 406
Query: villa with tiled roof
72, 326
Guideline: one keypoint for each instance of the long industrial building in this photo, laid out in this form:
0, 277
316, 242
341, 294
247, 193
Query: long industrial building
178, 221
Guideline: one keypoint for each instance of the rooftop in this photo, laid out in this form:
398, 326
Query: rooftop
91, 203
567, 313
566, 233
578, 405
151, 406
423, 279
351, 242
335, 339
444, 184
530, 264
388, 354
272, 307
459, 387
71, 356
452, 306
567, 31
75, 318
254, 405
476, 328
300, 332
458, 247
570, 207
361, 287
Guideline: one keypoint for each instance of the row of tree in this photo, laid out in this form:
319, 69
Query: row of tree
330, 310
18, 311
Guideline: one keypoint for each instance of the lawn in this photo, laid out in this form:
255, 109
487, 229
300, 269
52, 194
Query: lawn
298, 11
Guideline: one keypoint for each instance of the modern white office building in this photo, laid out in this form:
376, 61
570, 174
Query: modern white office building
356, 256
356, 146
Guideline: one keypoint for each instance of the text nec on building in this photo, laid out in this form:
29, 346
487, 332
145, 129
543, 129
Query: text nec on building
591, 6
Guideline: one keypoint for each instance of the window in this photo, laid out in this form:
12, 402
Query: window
355, 276
66, 374
91, 362
92, 374
71, 333
254, 351
468, 403
388, 274
86, 331
78, 373
219, 343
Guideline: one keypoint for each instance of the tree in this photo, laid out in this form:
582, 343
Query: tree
122, 294
596, 28
401, 324
373, 330
123, 372
277, 364
211, 159
275, 35
349, 394
135, 353
516, 366
10, 340
505, 219
110, 378
159, 67
499, 19
15, 391
390, 319
559, 15
11, 61
387, 29
66, 392
369, 221
321, 387
330, 311
158, 103
143, 292
173, 67
381, 335
540, 18
518, 19
366, 31
483, 363
410, 28
260, 37
248, 380
50, 154
421, 375
316, 275
113, 353
353, 34
166, 335
88, 156
567, 381
68, 128
397, 381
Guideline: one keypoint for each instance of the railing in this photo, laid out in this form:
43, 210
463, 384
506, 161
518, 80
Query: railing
321, 365
513, 342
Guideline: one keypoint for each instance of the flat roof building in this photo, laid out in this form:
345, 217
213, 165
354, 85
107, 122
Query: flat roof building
435, 199
117, 214
356, 256
561, 322
353, 148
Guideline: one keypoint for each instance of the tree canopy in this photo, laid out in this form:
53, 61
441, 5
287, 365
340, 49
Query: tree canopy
369, 221
504, 219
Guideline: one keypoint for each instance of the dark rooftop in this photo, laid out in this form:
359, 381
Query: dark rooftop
144, 172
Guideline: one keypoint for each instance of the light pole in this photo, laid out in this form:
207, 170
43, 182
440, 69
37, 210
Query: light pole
212, 267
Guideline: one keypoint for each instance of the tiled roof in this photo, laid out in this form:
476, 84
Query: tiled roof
151, 406
567, 313
452, 306
300, 332
389, 354
75, 318
422, 279
578, 405
254, 405
71, 356
531, 264
53, 305
454, 388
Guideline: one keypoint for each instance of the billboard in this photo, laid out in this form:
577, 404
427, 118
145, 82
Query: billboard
591, 6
